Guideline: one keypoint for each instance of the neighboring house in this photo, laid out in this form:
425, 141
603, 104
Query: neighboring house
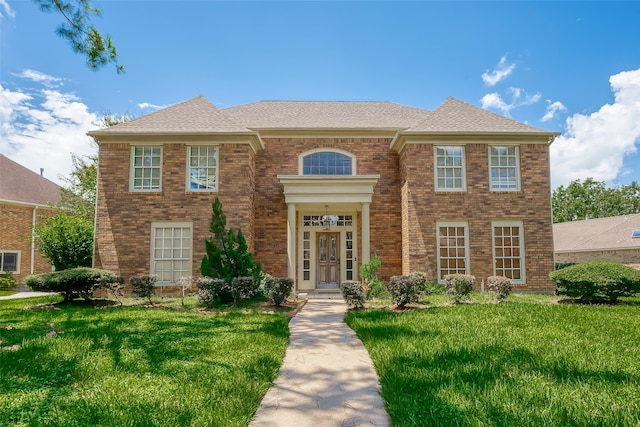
24, 197
318, 188
615, 238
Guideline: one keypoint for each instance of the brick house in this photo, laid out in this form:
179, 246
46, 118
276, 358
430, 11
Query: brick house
25, 197
615, 238
318, 188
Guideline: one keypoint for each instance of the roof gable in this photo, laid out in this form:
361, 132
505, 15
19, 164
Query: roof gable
597, 234
19, 184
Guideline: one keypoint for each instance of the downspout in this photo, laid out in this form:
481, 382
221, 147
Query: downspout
33, 239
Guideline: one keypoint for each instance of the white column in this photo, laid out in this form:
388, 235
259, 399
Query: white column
366, 244
291, 241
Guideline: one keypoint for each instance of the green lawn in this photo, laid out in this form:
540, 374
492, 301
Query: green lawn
525, 362
134, 366
4, 293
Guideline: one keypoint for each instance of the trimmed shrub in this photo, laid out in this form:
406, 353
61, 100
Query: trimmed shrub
561, 265
501, 286
72, 283
243, 287
113, 285
7, 281
353, 293
373, 287
459, 286
597, 281
209, 290
278, 289
144, 286
406, 289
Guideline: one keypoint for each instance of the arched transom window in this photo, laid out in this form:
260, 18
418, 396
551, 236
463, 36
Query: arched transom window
327, 163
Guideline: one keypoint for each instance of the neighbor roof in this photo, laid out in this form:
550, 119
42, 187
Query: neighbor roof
597, 234
19, 184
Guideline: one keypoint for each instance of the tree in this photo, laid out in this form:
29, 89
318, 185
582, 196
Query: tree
82, 35
79, 194
592, 199
66, 240
227, 252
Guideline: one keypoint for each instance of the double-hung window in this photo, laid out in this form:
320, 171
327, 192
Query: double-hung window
450, 174
10, 261
508, 250
171, 249
453, 248
146, 167
203, 168
504, 168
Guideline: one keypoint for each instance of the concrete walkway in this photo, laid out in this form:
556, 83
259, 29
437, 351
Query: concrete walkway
327, 378
27, 294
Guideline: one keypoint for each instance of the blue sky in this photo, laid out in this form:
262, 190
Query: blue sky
571, 67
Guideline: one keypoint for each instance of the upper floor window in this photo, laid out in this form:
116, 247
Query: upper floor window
203, 168
504, 165
10, 261
450, 174
327, 163
146, 163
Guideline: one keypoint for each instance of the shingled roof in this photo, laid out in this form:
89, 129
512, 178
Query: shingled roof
19, 184
597, 234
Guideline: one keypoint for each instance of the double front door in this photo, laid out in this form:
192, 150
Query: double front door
328, 262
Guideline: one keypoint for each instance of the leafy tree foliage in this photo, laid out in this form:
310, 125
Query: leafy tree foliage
227, 251
82, 35
593, 199
78, 196
66, 240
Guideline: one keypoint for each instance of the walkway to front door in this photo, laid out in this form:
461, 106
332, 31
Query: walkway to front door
328, 266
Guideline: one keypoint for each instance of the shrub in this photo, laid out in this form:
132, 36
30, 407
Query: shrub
72, 283
597, 281
561, 265
278, 289
113, 285
184, 283
500, 285
353, 293
406, 289
7, 281
209, 290
144, 286
66, 240
373, 287
243, 287
459, 286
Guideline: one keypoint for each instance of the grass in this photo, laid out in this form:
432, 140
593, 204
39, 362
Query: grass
80, 364
4, 293
527, 362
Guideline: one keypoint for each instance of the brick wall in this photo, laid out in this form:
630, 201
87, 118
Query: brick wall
123, 229
623, 256
479, 207
15, 234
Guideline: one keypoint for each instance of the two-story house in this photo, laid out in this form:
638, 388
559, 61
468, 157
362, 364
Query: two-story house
318, 188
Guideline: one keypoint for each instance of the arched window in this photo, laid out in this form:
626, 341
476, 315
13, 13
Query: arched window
327, 163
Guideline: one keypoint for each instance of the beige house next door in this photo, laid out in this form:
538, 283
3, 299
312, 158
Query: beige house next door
328, 265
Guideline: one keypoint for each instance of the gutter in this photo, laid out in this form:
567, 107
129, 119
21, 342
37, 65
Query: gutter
33, 240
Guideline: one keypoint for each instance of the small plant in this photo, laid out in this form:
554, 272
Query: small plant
209, 290
243, 287
278, 289
406, 289
501, 286
374, 287
112, 285
184, 283
459, 286
7, 281
353, 293
597, 281
144, 286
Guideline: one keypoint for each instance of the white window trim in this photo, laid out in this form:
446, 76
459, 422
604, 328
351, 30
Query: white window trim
301, 157
523, 270
518, 171
167, 224
18, 259
188, 175
464, 224
464, 169
132, 170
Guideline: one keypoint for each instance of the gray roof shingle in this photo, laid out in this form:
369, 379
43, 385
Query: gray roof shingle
19, 184
597, 234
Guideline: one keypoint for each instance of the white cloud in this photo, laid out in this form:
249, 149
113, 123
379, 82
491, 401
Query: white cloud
552, 109
145, 105
519, 97
595, 145
5, 9
499, 73
40, 128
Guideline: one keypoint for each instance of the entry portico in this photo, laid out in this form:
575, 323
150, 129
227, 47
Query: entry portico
322, 221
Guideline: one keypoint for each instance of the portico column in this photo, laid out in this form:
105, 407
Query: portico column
291, 241
366, 244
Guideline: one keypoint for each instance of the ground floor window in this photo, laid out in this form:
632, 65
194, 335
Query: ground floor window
453, 251
508, 251
171, 249
10, 261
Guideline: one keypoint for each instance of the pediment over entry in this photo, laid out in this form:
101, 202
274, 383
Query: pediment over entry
326, 189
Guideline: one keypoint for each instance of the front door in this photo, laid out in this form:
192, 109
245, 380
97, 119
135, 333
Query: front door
328, 265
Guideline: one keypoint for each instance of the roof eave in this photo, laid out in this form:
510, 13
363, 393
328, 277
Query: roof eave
402, 137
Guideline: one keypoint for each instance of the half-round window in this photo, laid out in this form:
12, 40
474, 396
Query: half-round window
327, 163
